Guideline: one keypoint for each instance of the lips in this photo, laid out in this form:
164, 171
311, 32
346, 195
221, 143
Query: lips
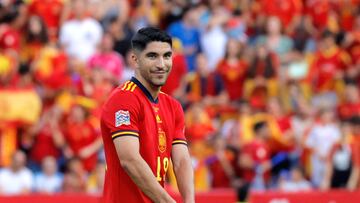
158, 72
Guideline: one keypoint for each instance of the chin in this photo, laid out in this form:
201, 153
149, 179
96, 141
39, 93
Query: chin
158, 83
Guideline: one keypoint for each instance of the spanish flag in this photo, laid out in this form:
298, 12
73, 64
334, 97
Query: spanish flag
19, 105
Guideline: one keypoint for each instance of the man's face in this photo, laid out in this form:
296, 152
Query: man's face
154, 63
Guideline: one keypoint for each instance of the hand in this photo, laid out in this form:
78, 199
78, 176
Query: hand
189, 201
324, 186
237, 182
85, 153
170, 200
351, 185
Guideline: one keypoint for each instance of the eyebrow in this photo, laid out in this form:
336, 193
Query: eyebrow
155, 53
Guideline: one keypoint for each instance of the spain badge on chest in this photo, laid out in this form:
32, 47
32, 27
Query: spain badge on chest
162, 140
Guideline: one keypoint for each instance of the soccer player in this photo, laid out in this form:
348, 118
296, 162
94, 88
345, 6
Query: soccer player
143, 129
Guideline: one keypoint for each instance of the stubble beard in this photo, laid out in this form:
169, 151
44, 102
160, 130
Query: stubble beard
155, 82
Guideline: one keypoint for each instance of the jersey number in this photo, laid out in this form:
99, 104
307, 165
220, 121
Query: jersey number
161, 164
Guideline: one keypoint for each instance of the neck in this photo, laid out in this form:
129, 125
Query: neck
153, 90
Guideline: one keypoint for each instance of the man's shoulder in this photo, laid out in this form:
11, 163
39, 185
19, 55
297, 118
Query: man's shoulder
169, 99
165, 96
125, 93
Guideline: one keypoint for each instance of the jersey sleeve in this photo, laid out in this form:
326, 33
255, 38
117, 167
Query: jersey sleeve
121, 115
179, 135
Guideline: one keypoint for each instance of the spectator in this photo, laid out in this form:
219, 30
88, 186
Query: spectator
355, 131
199, 126
129, 70
36, 39
232, 69
50, 11
282, 135
190, 41
296, 182
12, 18
261, 76
350, 107
204, 85
84, 144
288, 12
105, 10
48, 180
110, 61
16, 179
340, 164
177, 78
323, 136
275, 41
222, 165
255, 162
74, 177
96, 179
46, 138
213, 36
121, 33
330, 63
81, 44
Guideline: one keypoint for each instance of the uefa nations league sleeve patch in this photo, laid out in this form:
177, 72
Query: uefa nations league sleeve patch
122, 118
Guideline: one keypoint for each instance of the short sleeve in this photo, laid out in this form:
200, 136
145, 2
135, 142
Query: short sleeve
179, 133
121, 115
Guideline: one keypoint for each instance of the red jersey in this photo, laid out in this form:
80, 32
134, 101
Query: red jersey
44, 145
50, 11
9, 38
326, 65
259, 153
159, 124
233, 77
178, 71
318, 11
285, 10
348, 110
79, 139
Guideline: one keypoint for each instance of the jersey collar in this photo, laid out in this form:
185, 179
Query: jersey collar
144, 90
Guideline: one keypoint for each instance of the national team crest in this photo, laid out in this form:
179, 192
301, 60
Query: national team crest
122, 118
162, 141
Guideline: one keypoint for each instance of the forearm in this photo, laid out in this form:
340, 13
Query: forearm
325, 185
91, 148
354, 178
143, 177
185, 179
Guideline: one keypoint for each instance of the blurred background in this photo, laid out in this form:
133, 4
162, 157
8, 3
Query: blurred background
270, 91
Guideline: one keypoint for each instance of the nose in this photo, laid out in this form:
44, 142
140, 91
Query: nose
160, 63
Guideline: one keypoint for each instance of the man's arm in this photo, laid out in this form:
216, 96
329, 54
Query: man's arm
353, 179
183, 172
127, 148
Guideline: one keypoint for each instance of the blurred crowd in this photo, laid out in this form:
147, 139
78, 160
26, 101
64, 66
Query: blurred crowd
270, 90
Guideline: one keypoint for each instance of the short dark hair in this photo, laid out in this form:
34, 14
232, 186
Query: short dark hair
149, 34
258, 126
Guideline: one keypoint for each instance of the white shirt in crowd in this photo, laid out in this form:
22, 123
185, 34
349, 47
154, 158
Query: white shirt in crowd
14, 183
48, 184
80, 37
213, 44
322, 138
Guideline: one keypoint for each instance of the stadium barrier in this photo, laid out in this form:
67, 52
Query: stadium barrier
215, 196
334, 196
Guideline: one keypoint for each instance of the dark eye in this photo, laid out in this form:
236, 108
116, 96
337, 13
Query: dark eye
151, 55
167, 55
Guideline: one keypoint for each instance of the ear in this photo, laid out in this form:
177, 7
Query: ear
135, 59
